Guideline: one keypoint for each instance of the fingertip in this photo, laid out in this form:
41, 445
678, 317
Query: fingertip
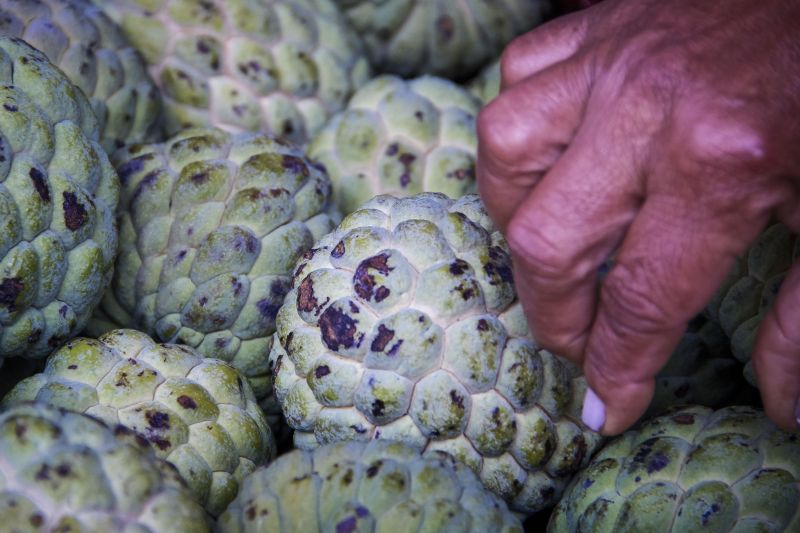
776, 355
542, 47
615, 409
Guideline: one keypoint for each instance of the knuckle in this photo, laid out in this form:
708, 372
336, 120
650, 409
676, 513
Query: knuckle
499, 142
723, 139
635, 302
543, 255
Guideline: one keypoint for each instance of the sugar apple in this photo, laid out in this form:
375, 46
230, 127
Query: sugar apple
750, 288
211, 225
690, 470
444, 38
58, 196
200, 414
403, 324
486, 85
275, 66
64, 471
402, 138
90, 49
376, 486
701, 371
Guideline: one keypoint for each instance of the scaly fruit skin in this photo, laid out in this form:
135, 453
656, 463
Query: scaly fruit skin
211, 225
747, 293
693, 469
64, 471
701, 371
281, 67
90, 49
443, 38
58, 196
401, 138
199, 414
376, 486
486, 85
403, 325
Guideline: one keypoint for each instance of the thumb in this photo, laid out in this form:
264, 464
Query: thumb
776, 357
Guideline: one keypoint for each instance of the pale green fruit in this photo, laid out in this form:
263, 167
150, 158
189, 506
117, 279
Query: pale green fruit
90, 49
64, 471
211, 225
486, 85
403, 324
199, 414
58, 195
376, 486
401, 138
693, 469
281, 67
440, 37
750, 288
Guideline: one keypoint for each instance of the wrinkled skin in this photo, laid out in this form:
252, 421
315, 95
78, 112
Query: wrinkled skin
666, 132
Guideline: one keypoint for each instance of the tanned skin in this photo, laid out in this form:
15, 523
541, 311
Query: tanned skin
666, 132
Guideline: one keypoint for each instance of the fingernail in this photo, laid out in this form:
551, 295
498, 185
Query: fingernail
594, 412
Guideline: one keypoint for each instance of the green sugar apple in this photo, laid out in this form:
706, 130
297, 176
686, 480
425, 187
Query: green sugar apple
402, 138
90, 49
199, 414
385, 487
403, 324
486, 85
211, 225
64, 471
750, 288
439, 37
58, 196
693, 469
281, 67
701, 371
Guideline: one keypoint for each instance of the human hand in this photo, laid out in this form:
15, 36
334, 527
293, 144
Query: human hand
667, 132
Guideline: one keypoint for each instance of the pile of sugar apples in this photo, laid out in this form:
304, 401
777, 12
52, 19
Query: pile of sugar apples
246, 285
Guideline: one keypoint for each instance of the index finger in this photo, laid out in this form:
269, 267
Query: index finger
524, 131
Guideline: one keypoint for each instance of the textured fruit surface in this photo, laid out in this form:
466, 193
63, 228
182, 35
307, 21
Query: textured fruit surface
58, 195
440, 37
701, 371
403, 324
277, 66
750, 288
401, 138
199, 414
90, 49
211, 225
486, 85
376, 486
693, 469
64, 471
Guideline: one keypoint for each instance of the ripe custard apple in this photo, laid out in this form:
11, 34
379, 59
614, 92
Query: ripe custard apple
281, 67
377, 486
211, 225
64, 471
486, 85
750, 288
58, 196
403, 324
90, 49
199, 414
439, 37
701, 371
401, 138
693, 469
